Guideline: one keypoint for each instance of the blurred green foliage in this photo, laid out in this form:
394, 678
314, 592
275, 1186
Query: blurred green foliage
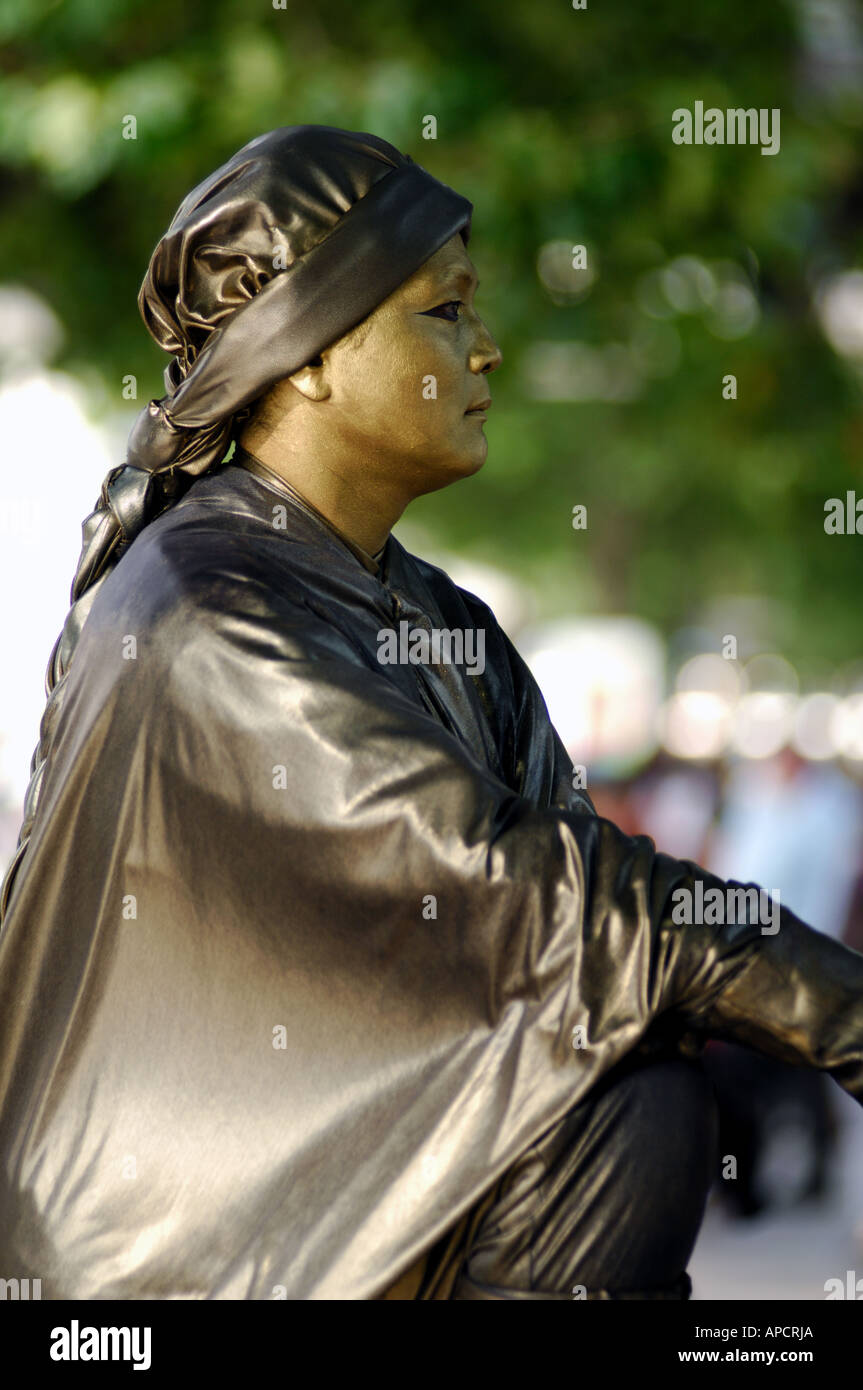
557, 125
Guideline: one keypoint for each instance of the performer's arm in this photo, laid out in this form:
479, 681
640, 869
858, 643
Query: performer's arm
554, 912
774, 997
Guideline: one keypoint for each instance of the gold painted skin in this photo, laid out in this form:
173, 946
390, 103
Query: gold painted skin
356, 434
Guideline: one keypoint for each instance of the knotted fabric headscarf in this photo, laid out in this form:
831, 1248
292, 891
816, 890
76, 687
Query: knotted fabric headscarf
279, 253
276, 255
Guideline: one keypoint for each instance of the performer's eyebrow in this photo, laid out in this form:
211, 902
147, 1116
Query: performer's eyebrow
454, 278
464, 278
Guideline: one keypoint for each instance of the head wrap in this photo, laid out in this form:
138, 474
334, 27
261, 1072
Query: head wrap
275, 256
281, 251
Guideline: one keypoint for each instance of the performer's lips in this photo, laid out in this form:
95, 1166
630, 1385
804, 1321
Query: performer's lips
481, 408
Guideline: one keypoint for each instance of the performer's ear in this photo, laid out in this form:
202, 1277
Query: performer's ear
312, 380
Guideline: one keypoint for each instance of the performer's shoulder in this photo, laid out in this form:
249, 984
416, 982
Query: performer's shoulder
197, 575
209, 554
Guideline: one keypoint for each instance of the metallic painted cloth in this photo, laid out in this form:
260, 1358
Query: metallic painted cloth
606, 1205
276, 255
236, 1058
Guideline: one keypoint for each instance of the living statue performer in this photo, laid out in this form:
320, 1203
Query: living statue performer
319, 978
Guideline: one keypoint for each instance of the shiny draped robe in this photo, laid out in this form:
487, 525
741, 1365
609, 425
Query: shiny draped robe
307, 949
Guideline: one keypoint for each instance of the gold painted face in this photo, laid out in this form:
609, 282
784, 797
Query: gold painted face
402, 383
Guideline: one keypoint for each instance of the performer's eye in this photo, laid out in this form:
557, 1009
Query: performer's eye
440, 308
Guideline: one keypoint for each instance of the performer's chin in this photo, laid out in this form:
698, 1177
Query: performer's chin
473, 459
465, 468
453, 465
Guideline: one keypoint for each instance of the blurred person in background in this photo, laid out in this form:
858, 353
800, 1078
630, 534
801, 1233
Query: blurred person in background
675, 804
797, 827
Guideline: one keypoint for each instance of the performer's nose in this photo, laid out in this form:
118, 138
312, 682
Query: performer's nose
486, 356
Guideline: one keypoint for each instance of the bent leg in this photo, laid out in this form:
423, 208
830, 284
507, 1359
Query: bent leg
609, 1202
